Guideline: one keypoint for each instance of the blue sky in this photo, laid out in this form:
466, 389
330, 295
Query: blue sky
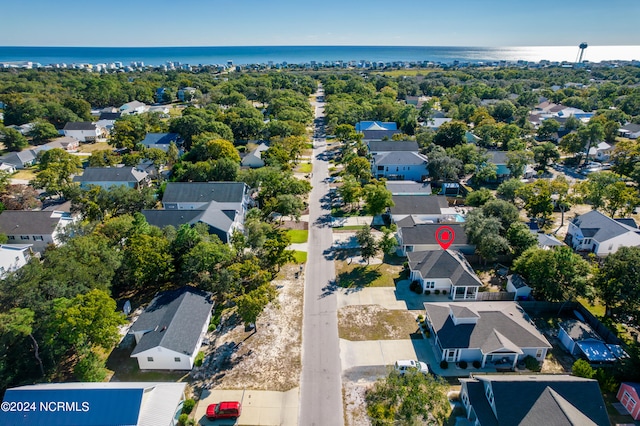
325, 22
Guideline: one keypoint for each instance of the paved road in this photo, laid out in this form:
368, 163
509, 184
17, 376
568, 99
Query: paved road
321, 384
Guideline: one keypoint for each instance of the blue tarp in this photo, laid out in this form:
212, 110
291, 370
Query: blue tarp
71, 407
596, 351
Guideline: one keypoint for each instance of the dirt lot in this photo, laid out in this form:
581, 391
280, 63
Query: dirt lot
267, 359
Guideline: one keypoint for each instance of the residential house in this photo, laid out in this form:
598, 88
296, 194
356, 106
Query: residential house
499, 158
163, 110
408, 187
400, 165
161, 140
594, 232
66, 143
24, 129
547, 242
254, 158
601, 152
579, 339
413, 209
220, 222
377, 130
446, 271
84, 131
423, 237
517, 285
498, 334
107, 177
133, 107
434, 123
96, 404
13, 257
196, 195
381, 147
533, 400
39, 228
7, 168
186, 93
630, 130
110, 115
20, 160
629, 396
170, 331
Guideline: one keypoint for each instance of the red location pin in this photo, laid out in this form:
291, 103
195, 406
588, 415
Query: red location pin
445, 236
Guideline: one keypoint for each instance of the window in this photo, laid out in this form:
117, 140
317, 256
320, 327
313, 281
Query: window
586, 241
429, 284
177, 359
11, 237
149, 359
38, 238
628, 401
489, 394
24, 237
539, 353
380, 168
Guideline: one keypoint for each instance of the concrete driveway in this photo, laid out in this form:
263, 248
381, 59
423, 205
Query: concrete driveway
259, 408
373, 353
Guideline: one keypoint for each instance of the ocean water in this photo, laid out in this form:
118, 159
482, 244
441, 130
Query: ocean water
304, 54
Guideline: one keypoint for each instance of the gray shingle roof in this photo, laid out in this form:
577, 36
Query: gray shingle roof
497, 157
505, 318
418, 204
174, 319
538, 400
221, 192
393, 146
399, 157
160, 139
518, 281
25, 222
111, 174
444, 264
408, 187
80, 125
578, 330
426, 234
596, 225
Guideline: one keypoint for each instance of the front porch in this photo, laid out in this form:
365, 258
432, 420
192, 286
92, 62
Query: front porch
464, 292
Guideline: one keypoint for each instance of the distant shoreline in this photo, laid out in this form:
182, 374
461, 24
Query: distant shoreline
314, 55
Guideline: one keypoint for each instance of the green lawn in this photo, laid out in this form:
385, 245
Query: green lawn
350, 228
596, 309
300, 256
298, 235
305, 168
359, 275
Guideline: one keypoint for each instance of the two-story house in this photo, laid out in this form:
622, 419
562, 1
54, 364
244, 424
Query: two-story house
597, 233
39, 228
107, 177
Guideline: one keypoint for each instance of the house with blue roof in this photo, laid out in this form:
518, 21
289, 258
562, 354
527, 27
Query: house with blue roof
161, 140
170, 331
377, 130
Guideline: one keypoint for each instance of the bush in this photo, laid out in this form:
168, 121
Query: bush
437, 291
415, 287
183, 419
463, 365
420, 318
531, 363
581, 368
187, 406
476, 364
444, 291
444, 364
427, 292
199, 358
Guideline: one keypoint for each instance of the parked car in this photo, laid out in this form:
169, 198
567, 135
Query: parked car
404, 365
224, 410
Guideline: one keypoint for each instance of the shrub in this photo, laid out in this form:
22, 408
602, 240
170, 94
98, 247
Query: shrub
415, 287
437, 291
420, 318
581, 368
444, 364
463, 364
476, 364
187, 406
182, 420
199, 358
427, 292
444, 291
531, 363
607, 382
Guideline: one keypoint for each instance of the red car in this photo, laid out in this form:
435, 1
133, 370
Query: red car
224, 410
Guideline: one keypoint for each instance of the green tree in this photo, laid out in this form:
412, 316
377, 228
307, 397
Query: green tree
544, 153
450, 134
146, 261
617, 282
409, 399
207, 147
517, 161
128, 131
508, 189
367, 242
479, 198
520, 238
377, 198
42, 131
18, 322
13, 139
537, 199
601, 188
360, 168
251, 304
55, 171
572, 144
388, 242
350, 191
506, 212
103, 158
548, 129
288, 205
582, 368
485, 233
555, 275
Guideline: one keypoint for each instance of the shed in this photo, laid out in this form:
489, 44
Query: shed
516, 284
629, 396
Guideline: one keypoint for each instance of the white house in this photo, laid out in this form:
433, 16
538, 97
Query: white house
630, 130
13, 257
106, 177
134, 107
169, 333
601, 152
254, 158
446, 271
497, 334
84, 131
196, 195
594, 232
39, 228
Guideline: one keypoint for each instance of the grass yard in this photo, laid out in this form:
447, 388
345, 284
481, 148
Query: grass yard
596, 309
26, 174
371, 322
93, 147
298, 235
300, 256
304, 168
358, 276
350, 227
